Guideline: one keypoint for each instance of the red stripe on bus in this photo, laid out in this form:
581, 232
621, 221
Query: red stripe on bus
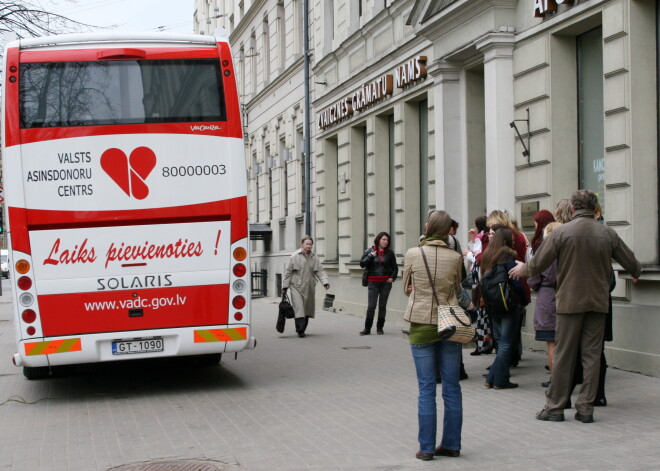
11, 99
231, 128
108, 311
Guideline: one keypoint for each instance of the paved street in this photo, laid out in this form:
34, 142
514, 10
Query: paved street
333, 400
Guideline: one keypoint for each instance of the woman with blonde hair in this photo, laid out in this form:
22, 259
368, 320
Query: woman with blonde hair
520, 244
432, 356
563, 211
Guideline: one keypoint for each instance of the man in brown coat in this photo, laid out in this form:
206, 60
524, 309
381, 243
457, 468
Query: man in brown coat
584, 249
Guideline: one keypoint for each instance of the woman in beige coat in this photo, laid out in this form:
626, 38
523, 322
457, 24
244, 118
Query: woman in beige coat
303, 270
431, 355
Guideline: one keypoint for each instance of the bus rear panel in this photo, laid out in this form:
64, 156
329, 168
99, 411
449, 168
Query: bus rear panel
126, 199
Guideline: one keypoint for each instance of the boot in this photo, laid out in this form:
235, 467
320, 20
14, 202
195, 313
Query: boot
368, 322
379, 326
301, 325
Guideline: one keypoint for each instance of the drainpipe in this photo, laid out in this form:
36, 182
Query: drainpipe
307, 150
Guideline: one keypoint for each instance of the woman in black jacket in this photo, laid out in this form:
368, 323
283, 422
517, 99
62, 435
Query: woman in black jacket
382, 269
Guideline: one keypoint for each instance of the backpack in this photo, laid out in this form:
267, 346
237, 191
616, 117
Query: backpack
496, 291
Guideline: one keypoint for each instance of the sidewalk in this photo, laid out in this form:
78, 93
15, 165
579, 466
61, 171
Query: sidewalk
331, 401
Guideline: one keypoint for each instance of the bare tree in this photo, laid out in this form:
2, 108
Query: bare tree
27, 18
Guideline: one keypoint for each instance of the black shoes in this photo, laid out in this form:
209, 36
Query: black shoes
301, 335
507, 386
439, 451
365, 332
600, 402
424, 456
543, 415
585, 419
379, 331
546, 384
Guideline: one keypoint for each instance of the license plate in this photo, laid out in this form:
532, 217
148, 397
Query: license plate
126, 347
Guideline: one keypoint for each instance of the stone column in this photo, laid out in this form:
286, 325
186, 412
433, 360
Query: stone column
448, 132
500, 144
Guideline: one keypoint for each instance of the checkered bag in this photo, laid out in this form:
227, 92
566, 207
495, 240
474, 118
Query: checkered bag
454, 325
453, 322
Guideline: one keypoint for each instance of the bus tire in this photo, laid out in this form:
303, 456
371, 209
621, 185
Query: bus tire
35, 372
210, 359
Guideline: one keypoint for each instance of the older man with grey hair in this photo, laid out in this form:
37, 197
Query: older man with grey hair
584, 250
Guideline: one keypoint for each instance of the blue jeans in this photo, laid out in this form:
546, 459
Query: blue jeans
505, 330
443, 357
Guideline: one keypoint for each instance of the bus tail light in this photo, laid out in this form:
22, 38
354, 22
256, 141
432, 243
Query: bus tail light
29, 316
24, 283
26, 299
239, 270
238, 302
22, 267
240, 254
238, 316
31, 330
239, 286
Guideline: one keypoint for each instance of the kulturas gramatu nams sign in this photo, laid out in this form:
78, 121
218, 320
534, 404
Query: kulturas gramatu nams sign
374, 92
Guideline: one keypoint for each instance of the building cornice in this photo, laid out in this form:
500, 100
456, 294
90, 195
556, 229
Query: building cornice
410, 49
246, 21
458, 14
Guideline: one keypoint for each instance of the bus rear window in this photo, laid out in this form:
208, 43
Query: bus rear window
64, 94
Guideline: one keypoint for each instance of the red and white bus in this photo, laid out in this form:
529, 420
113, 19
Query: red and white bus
126, 199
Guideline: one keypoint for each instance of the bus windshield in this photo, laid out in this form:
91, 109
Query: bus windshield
67, 94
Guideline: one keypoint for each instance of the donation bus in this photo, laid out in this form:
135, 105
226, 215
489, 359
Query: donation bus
126, 199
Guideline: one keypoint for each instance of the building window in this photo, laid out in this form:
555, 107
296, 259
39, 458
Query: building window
253, 63
284, 152
266, 50
298, 22
281, 35
591, 158
328, 25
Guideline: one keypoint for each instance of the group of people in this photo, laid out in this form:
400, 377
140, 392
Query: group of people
568, 263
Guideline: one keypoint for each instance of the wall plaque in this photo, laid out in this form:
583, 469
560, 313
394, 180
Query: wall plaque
527, 212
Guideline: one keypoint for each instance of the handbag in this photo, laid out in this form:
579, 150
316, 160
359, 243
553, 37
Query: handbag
285, 312
286, 308
365, 276
453, 323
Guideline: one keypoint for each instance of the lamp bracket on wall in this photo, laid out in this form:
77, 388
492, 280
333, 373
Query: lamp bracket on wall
526, 146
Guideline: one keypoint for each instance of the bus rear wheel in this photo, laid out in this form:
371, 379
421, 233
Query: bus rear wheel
35, 372
210, 359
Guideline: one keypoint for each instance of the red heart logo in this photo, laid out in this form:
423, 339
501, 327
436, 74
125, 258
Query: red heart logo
130, 173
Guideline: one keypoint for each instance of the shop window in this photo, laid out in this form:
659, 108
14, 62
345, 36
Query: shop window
591, 153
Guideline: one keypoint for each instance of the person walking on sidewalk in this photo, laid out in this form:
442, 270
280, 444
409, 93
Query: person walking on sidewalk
302, 272
584, 249
430, 354
380, 263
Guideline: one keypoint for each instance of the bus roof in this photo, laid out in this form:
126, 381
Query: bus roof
119, 36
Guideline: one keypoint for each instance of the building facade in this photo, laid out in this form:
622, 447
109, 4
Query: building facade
461, 105
267, 44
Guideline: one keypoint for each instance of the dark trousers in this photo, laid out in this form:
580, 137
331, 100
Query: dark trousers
379, 291
577, 376
582, 331
301, 323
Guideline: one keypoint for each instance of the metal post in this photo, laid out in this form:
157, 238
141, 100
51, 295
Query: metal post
307, 150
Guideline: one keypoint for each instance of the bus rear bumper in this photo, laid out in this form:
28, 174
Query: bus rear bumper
94, 348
